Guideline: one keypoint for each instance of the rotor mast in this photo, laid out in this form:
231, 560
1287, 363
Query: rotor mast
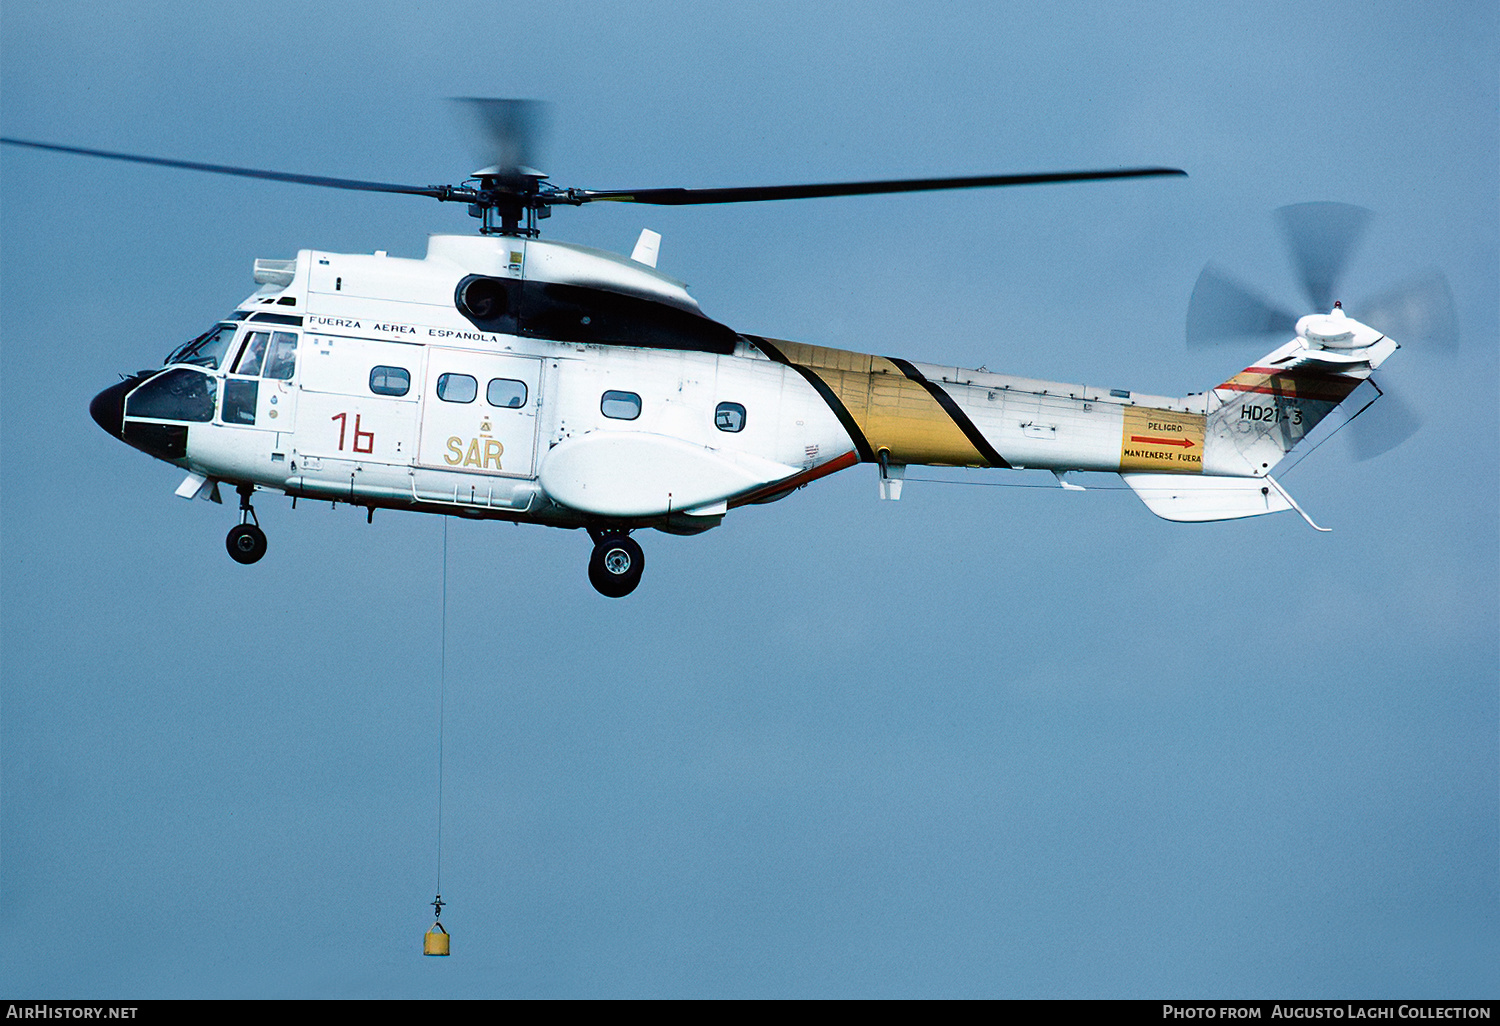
509, 201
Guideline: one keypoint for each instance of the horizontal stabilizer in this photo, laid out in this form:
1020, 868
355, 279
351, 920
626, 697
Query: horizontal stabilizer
1187, 499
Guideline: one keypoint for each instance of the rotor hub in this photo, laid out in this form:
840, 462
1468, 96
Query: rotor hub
1336, 330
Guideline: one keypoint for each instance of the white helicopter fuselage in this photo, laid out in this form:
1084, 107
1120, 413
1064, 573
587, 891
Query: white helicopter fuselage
512, 378
366, 418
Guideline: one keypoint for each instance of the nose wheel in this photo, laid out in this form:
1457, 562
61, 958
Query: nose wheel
616, 564
246, 542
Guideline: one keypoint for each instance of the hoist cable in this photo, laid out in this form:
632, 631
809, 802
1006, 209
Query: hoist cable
442, 701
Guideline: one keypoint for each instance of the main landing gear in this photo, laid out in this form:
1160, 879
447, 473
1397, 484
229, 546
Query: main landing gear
247, 542
616, 565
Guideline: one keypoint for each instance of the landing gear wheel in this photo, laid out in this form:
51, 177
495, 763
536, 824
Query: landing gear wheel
246, 543
616, 565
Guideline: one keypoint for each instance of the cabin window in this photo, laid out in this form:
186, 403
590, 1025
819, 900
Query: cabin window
506, 393
729, 417
281, 363
457, 388
620, 405
390, 381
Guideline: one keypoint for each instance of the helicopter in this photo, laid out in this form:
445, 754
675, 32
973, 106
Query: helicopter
508, 377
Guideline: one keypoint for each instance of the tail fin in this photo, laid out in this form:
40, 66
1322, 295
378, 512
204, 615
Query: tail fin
1257, 417
1265, 411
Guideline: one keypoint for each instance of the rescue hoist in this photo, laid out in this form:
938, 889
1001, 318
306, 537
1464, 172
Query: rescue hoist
435, 940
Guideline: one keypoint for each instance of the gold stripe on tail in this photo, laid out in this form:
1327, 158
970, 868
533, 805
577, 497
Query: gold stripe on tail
893, 407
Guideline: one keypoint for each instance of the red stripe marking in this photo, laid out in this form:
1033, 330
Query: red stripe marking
849, 459
1291, 392
1291, 385
1186, 443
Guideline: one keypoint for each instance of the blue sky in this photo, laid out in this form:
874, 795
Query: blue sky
986, 741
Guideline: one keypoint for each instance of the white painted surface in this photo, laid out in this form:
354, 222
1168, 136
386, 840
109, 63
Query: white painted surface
636, 473
1188, 499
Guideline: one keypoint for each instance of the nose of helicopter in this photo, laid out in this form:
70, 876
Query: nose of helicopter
164, 441
108, 407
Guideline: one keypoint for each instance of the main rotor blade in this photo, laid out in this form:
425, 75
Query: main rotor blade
756, 193
1416, 313
1223, 311
435, 191
511, 133
1322, 237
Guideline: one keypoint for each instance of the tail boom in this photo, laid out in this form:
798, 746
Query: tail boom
1206, 456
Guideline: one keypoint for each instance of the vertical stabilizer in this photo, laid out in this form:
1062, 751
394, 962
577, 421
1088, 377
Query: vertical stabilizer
1263, 412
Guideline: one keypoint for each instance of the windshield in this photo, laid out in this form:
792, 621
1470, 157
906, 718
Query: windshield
174, 395
207, 350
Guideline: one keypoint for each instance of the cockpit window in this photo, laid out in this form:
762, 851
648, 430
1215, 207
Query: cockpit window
254, 353
207, 350
282, 363
174, 395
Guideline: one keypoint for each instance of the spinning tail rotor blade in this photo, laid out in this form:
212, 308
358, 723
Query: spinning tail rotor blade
509, 134
1224, 311
1419, 313
1382, 427
1322, 237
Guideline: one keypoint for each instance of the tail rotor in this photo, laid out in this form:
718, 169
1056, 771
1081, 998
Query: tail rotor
1321, 238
